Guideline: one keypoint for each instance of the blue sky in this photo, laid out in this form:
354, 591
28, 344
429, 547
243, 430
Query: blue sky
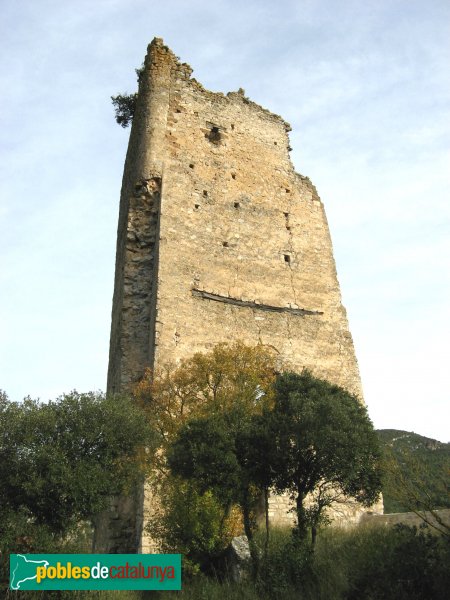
365, 86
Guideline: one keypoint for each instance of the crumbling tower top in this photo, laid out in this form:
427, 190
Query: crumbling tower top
214, 223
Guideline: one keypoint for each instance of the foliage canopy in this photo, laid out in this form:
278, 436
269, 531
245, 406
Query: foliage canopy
325, 446
125, 104
124, 108
213, 395
230, 375
312, 439
60, 462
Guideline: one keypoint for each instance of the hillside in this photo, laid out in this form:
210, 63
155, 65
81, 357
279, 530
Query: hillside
423, 461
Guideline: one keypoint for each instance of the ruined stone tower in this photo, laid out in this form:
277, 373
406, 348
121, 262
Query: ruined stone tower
219, 239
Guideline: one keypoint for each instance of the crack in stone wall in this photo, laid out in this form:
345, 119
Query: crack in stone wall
254, 305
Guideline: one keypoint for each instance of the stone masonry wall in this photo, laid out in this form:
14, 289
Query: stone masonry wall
219, 239
434, 525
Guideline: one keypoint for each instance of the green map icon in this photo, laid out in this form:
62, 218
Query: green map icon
23, 569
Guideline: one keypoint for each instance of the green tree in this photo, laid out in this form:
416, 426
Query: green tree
192, 523
326, 447
207, 383
61, 462
235, 379
216, 453
124, 108
256, 449
125, 104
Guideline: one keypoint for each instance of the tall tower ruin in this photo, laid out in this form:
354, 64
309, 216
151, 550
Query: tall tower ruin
219, 239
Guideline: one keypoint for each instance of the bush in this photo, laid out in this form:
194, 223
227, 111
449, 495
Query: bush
193, 524
21, 534
287, 568
364, 563
59, 464
61, 461
401, 563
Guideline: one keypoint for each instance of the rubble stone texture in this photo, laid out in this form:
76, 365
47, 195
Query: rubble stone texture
219, 239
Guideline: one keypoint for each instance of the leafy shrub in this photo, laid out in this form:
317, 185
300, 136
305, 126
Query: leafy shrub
287, 568
401, 563
124, 108
192, 524
20, 534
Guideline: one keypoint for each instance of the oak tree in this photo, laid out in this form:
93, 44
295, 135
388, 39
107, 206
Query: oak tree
326, 447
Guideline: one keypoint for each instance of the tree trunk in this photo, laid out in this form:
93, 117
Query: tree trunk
266, 509
302, 527
313, 536
249, 533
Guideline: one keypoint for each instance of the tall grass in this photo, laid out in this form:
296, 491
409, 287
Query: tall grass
359, 564
369, 563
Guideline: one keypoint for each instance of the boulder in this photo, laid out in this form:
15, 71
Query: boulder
239, 559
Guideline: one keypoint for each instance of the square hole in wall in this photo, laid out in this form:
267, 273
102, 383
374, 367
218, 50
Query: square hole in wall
205, 193
191, 166
287, 259
237, 205
213, 135
225, 244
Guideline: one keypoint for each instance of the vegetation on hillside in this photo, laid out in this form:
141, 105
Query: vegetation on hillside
418, 470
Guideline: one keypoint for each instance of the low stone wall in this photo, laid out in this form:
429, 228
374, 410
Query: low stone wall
343, 513
411, 519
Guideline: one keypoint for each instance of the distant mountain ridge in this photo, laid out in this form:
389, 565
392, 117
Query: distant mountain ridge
408, 438
422, 460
